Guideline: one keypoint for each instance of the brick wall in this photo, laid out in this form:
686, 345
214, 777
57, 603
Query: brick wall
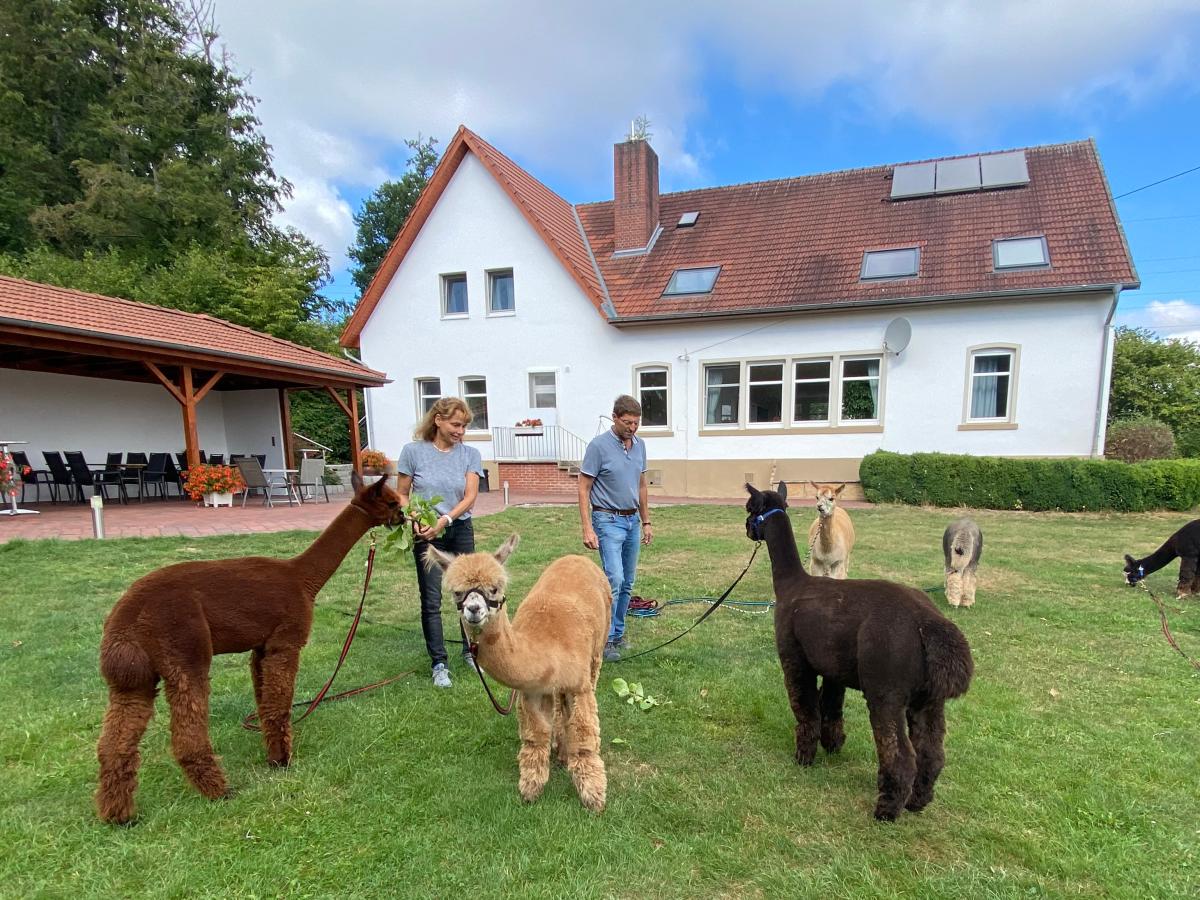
540, 478
635, 194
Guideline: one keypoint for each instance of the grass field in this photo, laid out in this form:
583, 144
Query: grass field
1072, 764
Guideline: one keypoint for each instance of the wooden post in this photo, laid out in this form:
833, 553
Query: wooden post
285, 420
355, 446
190, 435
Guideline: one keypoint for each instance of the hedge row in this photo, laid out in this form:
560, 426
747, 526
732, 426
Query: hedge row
990, 482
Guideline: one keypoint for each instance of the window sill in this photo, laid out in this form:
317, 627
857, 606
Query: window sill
501, 314
449, 316
655, 432
799, 430
988, 426
477, 436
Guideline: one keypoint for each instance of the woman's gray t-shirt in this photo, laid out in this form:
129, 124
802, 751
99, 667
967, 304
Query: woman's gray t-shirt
440, 474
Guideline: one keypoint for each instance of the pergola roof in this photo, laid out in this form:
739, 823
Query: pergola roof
51, 329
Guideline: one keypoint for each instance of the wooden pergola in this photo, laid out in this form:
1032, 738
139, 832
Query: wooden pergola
51, 329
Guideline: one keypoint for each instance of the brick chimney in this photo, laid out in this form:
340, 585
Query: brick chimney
635, 195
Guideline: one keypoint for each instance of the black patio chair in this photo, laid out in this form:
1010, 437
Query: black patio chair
203, 458
131, 473
175, 472
35, 477
60, 475
155, 474
99, 480
216, 459
262, 459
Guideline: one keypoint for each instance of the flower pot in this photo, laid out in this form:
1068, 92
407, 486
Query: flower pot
224, 498
528, 430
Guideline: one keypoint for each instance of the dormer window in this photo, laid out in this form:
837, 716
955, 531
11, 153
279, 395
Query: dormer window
692, 281
1020, 253
880, 264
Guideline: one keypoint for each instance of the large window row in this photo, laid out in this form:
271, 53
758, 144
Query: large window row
806, 392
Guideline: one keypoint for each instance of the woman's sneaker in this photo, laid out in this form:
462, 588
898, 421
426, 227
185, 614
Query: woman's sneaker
441, 676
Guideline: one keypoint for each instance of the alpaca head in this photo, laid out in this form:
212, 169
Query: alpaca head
827, 495
477, 581
375, 500
1134, 571
761, 505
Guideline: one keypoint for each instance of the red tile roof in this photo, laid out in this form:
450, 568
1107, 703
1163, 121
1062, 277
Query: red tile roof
552, 217
54, 310
799, 242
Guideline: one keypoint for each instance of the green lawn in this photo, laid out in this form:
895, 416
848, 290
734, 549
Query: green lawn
1072, 765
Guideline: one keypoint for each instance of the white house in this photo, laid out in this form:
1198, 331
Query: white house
781, 329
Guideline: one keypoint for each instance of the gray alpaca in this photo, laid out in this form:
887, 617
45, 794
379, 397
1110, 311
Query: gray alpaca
962, 544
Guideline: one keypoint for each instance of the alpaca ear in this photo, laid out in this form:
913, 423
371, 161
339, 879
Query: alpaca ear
816, 487
1130, 561
507, 548
435, 557
752, 490
782, 490
356, 481
838, 490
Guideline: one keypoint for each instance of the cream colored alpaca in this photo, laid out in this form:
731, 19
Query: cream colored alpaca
550, 653
831, 534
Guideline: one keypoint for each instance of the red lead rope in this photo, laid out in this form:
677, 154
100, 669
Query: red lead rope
251, 721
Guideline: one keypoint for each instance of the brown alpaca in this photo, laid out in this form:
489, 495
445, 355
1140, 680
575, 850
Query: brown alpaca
550, 653
831, 534
878, 637
169, 625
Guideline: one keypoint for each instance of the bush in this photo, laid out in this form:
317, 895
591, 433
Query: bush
990, 482
1137, 440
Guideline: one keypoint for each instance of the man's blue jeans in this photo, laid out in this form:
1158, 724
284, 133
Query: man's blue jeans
620, 540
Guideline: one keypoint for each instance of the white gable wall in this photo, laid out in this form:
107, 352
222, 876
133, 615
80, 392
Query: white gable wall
475, 227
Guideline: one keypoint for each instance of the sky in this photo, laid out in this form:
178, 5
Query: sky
735, 92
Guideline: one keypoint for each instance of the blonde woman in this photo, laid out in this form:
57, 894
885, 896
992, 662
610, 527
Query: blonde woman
438, 464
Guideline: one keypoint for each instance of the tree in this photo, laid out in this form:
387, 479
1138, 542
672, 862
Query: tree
384, 213
1158, 380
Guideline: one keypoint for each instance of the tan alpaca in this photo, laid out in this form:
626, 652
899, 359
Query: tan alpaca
962, 545
831, 534
550, 653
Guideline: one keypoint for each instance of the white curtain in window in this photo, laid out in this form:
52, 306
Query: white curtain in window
873, 371
985, 386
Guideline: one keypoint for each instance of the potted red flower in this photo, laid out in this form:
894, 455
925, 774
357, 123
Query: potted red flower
216, 485
529, 427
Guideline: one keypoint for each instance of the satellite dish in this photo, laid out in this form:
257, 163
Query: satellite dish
897, 335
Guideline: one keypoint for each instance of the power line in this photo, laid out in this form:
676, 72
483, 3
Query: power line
1160, 181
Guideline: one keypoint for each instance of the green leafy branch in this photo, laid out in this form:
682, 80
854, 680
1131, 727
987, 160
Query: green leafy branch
634, 695
419, 510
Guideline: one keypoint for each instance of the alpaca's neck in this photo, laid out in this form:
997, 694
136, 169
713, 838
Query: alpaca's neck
781, 545
321, 559
507, 658
1159, 557
825, 532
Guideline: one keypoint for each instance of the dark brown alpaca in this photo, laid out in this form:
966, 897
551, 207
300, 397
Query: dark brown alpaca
169, 625
884, 639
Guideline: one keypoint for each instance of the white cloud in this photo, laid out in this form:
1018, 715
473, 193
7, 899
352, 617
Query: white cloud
555, 84
1171, 319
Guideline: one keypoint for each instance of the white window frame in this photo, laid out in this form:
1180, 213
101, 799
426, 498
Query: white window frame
885, 251
638, 371
534, 391
829, 380
492, 275
835, 422
1013, 351
672, 289
783, 391
446, 279
1020, 267
419, 385
462, 392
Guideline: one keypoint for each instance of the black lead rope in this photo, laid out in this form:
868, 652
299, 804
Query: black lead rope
708, 612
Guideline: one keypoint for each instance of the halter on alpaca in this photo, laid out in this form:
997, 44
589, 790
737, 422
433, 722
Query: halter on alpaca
1184, 543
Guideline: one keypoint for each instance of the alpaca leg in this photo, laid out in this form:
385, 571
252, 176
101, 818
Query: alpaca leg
562, 713
278, 668
125, 721
187, 695
801, 683
256, 678
897, 762
968, 584
533, 759
927, 728
1187, 576
954, 587
830, 699
585, 765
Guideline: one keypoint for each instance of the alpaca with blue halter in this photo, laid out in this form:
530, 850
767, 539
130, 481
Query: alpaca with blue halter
1185, 544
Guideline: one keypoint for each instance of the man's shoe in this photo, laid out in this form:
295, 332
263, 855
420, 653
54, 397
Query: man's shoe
469, 660
611, 652
441, 676
623, 643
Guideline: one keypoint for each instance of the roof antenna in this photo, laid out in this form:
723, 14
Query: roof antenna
639, 129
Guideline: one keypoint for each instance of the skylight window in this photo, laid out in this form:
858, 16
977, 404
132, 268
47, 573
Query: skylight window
692, 281
890, 263
1021, 253
687, 220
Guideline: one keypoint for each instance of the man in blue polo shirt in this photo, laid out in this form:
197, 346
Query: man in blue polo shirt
612, 481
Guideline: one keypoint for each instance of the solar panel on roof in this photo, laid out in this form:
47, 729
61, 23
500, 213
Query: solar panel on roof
912, 180
1003, 169
957, 175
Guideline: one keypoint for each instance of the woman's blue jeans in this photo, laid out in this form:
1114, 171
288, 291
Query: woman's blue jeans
620, 542
456, 539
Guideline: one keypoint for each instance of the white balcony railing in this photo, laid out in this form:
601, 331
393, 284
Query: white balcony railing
549, 443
